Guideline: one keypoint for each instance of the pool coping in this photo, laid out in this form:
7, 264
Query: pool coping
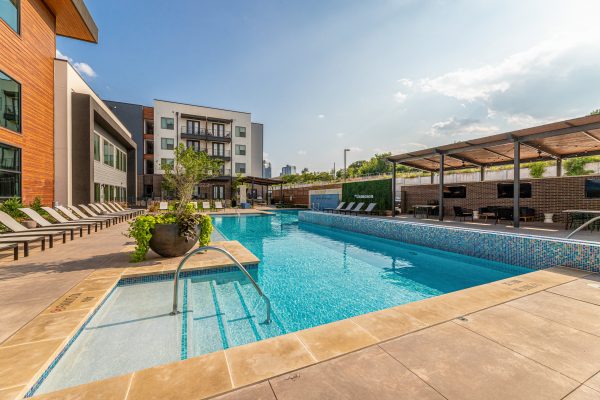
259, 361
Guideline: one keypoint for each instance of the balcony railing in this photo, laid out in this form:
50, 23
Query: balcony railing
223, 173
204, 134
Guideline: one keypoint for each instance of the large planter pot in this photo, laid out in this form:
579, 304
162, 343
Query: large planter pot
166, 241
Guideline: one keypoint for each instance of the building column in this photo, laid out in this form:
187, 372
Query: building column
432, 175
482, 173
441, 188
559, 167
517, 184
393, 189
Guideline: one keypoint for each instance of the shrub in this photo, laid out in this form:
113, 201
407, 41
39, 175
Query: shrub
206, 229
11, 207
576, 166
537, 169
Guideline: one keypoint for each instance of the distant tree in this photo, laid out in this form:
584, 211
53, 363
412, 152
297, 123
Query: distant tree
537, 169
304, 170
595, 112
576, 166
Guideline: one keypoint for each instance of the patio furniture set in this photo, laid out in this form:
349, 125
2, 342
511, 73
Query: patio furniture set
351, 208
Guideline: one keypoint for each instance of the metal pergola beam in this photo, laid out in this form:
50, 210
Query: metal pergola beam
466, 160
591, 136
542, 149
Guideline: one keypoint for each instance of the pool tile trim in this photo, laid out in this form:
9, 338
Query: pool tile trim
516, 287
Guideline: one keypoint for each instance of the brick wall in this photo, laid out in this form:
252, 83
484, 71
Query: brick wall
551, 195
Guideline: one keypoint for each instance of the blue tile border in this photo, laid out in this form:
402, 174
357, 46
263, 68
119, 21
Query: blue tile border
169, 276
530, 251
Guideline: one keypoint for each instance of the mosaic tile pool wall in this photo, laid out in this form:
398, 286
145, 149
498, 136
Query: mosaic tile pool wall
522, 250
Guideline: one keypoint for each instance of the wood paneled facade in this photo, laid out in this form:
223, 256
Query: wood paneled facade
28, 58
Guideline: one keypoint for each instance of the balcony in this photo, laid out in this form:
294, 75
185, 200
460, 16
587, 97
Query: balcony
203, 134
223, 154
224, 174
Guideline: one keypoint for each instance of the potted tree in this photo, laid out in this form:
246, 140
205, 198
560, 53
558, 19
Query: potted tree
173, 233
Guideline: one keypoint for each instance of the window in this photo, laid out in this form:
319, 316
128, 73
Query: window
121, 163
10, 172
96, 192
9, 12
167, 143
218, 192
96, 147
240, 149
166, 123
194, 144
165, 161
10, 100
193, 127
149, 147
149, 167
218, 149
240, 131
218, 130
109, 153
240, 168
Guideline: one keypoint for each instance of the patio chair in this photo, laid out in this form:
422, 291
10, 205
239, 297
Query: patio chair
163, 206
110, 211
339, 207
13, 246
462, 213
41, 221
205, 206
348, 208
102, 211
82, 215
72, 217
218, 206
6, 243
19, 231
88, 211
57, 216
370, 209
121, 208
85, 212
356, 209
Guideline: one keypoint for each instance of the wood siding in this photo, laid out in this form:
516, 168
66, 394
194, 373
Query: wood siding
29, 59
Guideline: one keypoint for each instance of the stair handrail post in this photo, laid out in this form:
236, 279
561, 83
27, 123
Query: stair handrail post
237, 264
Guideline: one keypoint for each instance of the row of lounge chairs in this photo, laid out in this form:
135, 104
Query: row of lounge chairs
351, 209
70, 221
205, 206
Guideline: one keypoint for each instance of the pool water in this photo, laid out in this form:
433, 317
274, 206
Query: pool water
313, 275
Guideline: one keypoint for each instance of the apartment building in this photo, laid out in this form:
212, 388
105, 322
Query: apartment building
95, 155
288, 170
28, 30
266, 169
228, 135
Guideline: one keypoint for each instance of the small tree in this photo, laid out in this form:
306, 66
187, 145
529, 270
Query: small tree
595, 112
576, 166
537, 169
190, 168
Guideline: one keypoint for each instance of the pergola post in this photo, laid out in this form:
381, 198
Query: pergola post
482, 173
393, 189
432, 175
558, 166
441, 188
281, 192
517, 184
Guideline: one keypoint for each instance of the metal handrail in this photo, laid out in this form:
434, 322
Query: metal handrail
237, 264
583, 226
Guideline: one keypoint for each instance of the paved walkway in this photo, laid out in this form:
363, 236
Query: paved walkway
542, 346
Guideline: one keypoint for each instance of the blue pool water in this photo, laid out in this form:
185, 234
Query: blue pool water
312, 274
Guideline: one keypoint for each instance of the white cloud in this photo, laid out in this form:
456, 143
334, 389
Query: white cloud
406, 82
480, 83
81, 67
321, 116
85, 69
340, 134
400, 97
301, 152
265, 156
355, 149
461, 127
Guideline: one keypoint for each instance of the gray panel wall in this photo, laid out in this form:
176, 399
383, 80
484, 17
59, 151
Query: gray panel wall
257, 150
132, 116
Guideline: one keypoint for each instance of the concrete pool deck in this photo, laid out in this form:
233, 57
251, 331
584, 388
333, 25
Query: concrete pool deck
532, 336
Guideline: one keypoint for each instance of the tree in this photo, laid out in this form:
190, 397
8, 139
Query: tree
304, 170
190, 168
537, 169
595, 112
576, 166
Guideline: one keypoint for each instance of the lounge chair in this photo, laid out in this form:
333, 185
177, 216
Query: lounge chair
370, 209
19, 230
62, 220
462, 213
74, 217
206, 205
348, 208
120, 208
163, 206
88, 211
102, 211
218, 206
25, 240
81, 214
356, 209
13, 246
41, 221
114, 208
338, 208
107, 210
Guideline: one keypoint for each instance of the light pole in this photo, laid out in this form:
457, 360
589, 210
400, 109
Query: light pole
345, 169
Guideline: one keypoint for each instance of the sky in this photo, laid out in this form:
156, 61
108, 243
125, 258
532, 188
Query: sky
372, 76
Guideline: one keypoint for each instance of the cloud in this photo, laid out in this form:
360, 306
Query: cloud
400, 97
406, 82
355, 149
340, 134
265, 156
321, 116
81, 67
461, 127
301, 152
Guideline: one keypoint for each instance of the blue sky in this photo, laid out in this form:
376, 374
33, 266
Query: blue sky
373, 76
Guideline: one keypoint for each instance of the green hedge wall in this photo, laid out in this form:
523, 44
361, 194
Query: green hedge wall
380, 190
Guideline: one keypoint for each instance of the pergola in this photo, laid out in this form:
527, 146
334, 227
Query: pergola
255, 180
556, 141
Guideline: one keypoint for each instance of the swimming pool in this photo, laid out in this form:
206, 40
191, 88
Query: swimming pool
312, 274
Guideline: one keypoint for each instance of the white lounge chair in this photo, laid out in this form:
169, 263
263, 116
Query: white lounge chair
205, 205
218, 206
41, 221
68, 216
82, 215
338, 208
19, 231
163, 206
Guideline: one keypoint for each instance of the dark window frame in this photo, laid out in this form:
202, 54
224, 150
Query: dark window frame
19, 131
18, 172
166, 125
18, 30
